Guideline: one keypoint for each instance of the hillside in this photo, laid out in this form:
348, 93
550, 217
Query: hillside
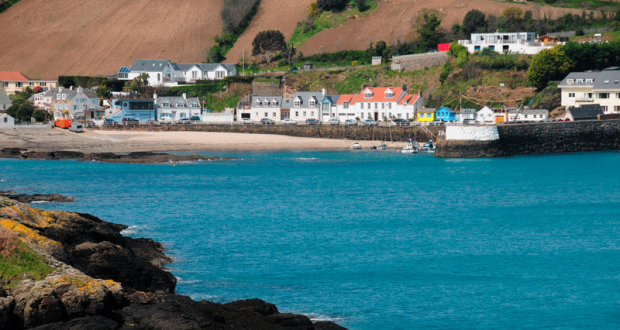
48, 38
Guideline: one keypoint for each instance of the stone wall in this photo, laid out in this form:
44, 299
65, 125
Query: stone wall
472, 133
397, 134
407, 63
266, 89
540, 138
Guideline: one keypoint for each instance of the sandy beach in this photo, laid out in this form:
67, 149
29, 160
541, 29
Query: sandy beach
46, 139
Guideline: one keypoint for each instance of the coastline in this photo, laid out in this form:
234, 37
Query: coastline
45, 140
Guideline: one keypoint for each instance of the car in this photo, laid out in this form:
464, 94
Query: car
90, 124
166, 120
401, 122
109, 122
334, 121
312, 121
247, 121
350, 122
436, 123
267, 121
130, 121
370, 122
433, 51
288, 121
469, 122
195, 118
184, 121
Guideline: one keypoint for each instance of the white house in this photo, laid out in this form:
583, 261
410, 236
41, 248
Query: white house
528, 115
167, 73
263, 107
177, 107
466, 114
506, 42
588, 88
6, 121
5, 101
485, 116
345, 107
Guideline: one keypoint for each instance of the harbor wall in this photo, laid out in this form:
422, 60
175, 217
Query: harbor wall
369, 133
536, 138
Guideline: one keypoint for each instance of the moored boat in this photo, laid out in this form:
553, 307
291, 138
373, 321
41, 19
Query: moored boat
410, 148
356, 146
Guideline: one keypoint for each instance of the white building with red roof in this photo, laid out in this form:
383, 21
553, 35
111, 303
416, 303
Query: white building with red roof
386, 103
13, 82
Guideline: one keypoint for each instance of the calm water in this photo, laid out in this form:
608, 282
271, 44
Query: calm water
373, 240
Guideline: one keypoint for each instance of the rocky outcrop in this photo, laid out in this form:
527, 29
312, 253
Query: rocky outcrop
23, 198
105, 281
107, 157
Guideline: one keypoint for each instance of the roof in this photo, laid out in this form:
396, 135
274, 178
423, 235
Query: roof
5, 114
269, 99
535, 112
378, 94
604, 80
71, 93
125, 69
445, 108
590, 111
486, 109
12, 76
467, 111
149, 65
287, 103
409, 98
346, 98
305, 96
333, 99
427, 110
4, 98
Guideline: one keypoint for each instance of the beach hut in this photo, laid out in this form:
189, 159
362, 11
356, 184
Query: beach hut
308, 66
426, 114
445, 114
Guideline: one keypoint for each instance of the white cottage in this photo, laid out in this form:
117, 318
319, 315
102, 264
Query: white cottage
6, 121
485, 116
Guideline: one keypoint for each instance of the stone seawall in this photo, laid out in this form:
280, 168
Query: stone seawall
398, 134
534, 139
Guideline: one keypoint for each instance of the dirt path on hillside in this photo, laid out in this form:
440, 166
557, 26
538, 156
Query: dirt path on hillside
282, 15
43, 38
392, 20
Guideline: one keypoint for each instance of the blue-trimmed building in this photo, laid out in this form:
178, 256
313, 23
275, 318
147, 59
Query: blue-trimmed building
142, 109
445, 114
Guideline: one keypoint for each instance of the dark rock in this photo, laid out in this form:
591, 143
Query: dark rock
288, 320
42, 307
327, 325
106, 260
7, 319
253, 305
92, 323
2, 293
23, 198
52, 326
149, 250
11, 152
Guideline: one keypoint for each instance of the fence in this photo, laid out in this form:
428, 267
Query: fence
567, 34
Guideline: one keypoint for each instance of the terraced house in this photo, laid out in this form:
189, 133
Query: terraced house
387, 103
168, 73
74, 103
177, 107
15, 82
589, 88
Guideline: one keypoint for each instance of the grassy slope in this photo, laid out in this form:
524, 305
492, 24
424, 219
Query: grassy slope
23, 260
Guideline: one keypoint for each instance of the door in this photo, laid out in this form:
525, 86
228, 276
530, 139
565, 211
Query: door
376, 116
499, 119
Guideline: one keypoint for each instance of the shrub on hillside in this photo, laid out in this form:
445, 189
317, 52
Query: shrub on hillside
332, 5
8, 243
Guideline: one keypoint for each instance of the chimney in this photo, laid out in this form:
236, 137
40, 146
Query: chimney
60, 89
364, 87
404, 87
184, 96
155, 95
324, 91
71, 88
420, 92
80, 89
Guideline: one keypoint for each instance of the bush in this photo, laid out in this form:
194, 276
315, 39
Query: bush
8, 243
332, 5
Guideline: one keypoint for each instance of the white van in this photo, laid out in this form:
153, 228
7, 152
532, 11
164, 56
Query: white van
76, 127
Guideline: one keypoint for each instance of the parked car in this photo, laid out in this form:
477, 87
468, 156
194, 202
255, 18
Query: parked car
288, 121
436, 123
370, 122
350, 122
166, 120
109, 122
401, 122
195, 118
469, 122
334, 121
267, 121
184, 121
130, 121
312, 121
246, 121
76, 127
90, 124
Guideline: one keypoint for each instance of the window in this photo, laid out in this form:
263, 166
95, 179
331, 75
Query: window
618, 95
266, 103
389, 95
274, 115
58, 96
345, 105
304, 113
18, 84
382, 106
367, 95
311, 113
376, 106
257, 114
296, 113
603, 95
616, 108
6, 120
297, 103
220, 74
183, 114
588, 81
266, 114
604, 107
570, 81
571, 95
362, 106
389, 105
194, 74
274, 103
257, 103
31, 83
5, 84
159, 77
64, 96
312, 103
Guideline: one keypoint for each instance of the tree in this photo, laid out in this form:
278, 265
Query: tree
289, 55
549, 64
267, 44
21, 110
513, 13
314, 11
215, 54
425, 26
332, 5
361, 5
41, 115
380, 47
473, 22
103, 90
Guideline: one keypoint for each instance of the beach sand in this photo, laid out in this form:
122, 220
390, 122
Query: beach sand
46, 139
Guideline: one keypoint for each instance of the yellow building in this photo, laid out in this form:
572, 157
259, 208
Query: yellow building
14, 82
426, 114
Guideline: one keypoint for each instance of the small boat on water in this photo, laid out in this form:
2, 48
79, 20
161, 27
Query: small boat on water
428, 147
356, 146
410, 148
382, 146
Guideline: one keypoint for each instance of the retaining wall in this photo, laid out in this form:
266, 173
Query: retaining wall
540, 138
407, 63
398, 134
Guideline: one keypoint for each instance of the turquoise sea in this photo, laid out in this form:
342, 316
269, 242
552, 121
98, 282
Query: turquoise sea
372, 240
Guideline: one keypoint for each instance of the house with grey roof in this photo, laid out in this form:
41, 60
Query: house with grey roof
177, 107
306, 105
584, 112
528, 115
589, 88
74, 102
259, 107
466, 114
167, 73
5, 101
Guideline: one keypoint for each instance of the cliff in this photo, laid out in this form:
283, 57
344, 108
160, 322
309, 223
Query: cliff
63, 270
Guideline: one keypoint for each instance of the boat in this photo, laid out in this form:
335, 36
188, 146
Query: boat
356, 146
428, 147
410, 148
382, 146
